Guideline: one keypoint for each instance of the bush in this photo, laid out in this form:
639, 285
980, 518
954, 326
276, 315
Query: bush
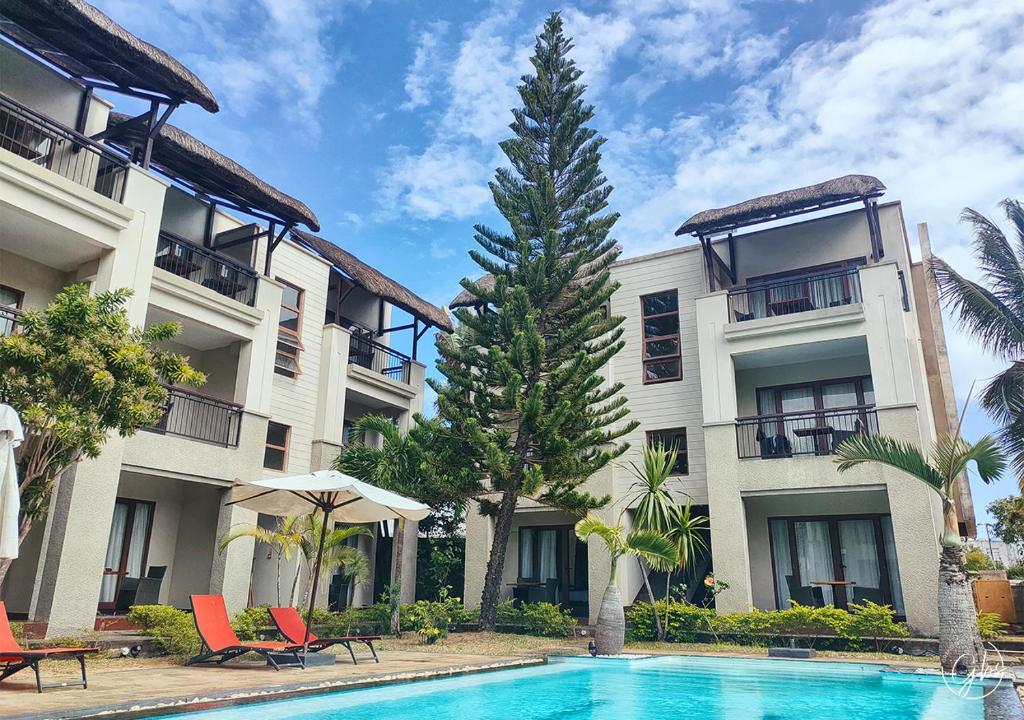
975, 559
544, 619
1015, 571
248, 623
372, 620
991, 626
869, 621
432, 619
173, 629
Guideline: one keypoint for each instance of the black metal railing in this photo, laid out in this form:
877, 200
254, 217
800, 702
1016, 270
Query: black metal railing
10, 318
66, 152
205, 267
794, 295
200, 417
815, 432
379, 358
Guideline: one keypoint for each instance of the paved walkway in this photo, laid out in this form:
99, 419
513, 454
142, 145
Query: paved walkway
139, 689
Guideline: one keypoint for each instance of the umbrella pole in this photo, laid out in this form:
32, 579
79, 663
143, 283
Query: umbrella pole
315, 579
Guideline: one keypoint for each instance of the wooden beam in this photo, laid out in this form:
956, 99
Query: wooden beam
147, 152
415, 336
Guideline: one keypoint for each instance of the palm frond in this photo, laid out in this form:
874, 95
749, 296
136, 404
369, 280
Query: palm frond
593, 525
1000, 266
685, 533
652, 546
979, 311
903, 456
654, 503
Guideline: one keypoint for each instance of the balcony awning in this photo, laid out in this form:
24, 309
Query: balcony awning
196, 165
838, 191
87, 45
375, 281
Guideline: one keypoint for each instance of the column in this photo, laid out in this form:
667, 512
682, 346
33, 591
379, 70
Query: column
231, 573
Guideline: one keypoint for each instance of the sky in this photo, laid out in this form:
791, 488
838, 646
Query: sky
384, 117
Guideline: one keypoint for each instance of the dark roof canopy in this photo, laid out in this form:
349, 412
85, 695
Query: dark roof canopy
838, 191
83, 42
375, 281
198, 166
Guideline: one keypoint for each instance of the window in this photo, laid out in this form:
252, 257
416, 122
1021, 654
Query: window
668, 438
661, 356
10, 304
289, 323
538, 553
275, 455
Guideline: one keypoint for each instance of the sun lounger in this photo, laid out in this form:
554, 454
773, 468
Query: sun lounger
220, 643
14, 659
291, 627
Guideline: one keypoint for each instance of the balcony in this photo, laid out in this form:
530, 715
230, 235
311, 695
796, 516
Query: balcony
796, 434
378, 358
204, 267
62, 150
797, 294
199, 417
9, 320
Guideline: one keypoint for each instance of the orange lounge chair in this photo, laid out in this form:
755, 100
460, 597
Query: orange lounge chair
14, 659
289, 624
220, 643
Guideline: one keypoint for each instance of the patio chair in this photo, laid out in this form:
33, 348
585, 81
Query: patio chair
289, 623
862, 594
220, 643
14, 659
808, 595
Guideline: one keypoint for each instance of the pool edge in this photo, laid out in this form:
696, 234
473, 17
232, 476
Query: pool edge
247, 696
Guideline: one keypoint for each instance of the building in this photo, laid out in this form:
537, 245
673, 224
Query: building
758, 351
297, 337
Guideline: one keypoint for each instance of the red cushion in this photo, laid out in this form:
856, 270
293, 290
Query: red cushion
289, 622
7, 641
212, 622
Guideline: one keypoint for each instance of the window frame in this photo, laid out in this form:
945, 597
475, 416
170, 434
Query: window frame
284, 449
684, 449
644, 340
295, 348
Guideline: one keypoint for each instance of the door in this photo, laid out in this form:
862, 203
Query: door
127, 547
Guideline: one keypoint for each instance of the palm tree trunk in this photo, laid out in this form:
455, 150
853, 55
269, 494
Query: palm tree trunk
396, 578
660, 632
668, 591
960, 646
611, 620
293, 597
279, 578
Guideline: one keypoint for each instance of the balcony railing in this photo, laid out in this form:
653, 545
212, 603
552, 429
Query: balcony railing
816, 432
205, 267
9, 320
795, 295
199, 417
379, 358
70, 154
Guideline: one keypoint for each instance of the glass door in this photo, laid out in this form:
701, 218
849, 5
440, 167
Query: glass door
861, 560
814, 557
127, 547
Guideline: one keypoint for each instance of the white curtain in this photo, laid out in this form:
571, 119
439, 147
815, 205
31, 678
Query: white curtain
814, 554
137, 543
860, 554
783, 560
548, 555
115, 544
798, 400
526, 553
894, 570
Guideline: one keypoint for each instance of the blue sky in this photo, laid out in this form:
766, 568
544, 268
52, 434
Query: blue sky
384, 117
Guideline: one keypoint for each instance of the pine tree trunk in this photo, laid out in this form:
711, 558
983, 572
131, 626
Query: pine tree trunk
660, 632
960, 646
496, 561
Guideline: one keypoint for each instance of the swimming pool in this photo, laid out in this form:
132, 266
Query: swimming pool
657, 688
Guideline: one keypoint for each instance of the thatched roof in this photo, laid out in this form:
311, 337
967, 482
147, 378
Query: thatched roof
197, 165
838, 191
375, 281
86, 44
468, 299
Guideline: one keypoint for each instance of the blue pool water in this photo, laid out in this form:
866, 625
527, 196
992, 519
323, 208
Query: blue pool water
661, 688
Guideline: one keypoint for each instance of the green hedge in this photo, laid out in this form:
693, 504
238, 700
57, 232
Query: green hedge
866, 624
544, 619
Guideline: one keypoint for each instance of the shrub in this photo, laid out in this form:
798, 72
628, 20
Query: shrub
975, 559
869, 621
1015, 571
173, 629
248, 623
371, 620
544, 619
991, 626
432, 619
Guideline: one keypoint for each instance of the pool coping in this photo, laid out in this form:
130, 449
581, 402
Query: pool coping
245, 696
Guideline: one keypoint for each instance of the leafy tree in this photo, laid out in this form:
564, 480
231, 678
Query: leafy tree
522, 396
1008, 514
993, 312
75, 372
959, 641
975, 559
651, 545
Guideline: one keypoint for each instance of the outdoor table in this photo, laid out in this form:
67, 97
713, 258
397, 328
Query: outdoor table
814, 431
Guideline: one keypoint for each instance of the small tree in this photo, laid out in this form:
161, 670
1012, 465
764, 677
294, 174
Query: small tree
284, 539
75, 372
1008, 514
652, 546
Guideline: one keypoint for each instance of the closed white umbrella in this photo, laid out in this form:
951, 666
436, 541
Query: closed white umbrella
11, 435
340, 497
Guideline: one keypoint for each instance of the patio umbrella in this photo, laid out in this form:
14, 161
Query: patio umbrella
340, 497
11, 435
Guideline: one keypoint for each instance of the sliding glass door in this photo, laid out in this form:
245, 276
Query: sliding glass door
127, 547
835, 560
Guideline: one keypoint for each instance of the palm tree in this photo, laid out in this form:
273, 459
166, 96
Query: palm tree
685, 531
285, 538
338, 554
993, 312
652, 546
959, 640
395, 465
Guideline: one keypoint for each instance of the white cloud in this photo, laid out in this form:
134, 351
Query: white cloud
422, 73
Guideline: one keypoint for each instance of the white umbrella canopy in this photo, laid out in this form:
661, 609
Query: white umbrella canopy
340, 497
